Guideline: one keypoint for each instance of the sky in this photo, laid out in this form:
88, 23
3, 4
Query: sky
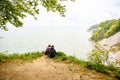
79, 13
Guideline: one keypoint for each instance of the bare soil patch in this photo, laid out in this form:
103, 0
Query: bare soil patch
45, 68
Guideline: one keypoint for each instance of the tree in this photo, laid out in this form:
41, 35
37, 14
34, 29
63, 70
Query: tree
12, 10
105, 29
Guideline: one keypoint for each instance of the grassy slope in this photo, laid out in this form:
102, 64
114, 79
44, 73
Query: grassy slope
107, 70
81, 65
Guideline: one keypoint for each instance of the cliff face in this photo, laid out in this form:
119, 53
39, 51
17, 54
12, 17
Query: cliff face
111, 41
107, 36
113, 44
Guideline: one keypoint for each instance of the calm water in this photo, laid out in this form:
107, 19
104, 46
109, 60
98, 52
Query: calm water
71, 40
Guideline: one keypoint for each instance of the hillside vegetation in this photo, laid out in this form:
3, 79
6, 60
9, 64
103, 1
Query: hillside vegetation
105, 29
36, 66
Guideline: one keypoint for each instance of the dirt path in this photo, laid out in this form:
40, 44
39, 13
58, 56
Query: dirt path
45, 68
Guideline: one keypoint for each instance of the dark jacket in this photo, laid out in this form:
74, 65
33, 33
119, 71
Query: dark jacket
52, 53
47, 51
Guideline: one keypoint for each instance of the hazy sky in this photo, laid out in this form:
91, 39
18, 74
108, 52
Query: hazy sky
79, 13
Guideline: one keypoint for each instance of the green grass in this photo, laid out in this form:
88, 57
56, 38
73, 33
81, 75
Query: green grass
108, 70
96, 59
98, 67
117, 73
104, 69
60, 56
23, 56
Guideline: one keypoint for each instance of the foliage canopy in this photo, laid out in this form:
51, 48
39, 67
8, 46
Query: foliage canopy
12, 10
105, 29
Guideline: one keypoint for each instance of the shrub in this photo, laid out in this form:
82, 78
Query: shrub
97, 66
60, 54
98, 56
111, 68
117, 73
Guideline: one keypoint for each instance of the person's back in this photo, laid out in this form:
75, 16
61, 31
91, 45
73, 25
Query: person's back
47, 50
52, 52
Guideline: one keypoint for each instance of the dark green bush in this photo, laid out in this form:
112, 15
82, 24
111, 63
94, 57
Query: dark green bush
64, 58
89, 65
117, 73
60, 54
97, 66
111, 68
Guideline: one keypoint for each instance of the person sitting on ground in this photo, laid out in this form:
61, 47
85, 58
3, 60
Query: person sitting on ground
47, 50
52, 52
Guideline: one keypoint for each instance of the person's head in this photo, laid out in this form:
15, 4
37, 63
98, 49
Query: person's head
52, 46
49, 45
